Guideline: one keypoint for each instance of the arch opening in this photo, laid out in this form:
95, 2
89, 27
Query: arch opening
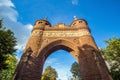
62, 60
57, 45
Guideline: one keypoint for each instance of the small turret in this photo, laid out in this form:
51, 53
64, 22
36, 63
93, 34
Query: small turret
79, 23
41, 24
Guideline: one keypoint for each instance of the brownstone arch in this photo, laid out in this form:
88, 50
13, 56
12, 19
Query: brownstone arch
59, 44
75, 38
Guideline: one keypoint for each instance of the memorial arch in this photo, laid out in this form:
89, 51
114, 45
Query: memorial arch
76, 39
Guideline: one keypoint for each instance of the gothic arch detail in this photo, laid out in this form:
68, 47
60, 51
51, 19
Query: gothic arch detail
59, 44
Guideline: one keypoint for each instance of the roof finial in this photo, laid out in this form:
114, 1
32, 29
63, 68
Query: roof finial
45, 18
75, 18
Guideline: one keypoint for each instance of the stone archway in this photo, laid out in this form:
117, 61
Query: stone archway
56, 45
59, 44
75, 38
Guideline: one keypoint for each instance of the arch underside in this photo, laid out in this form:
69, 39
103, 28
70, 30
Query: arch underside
59, 44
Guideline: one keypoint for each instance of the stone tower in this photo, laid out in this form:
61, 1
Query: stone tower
76, 39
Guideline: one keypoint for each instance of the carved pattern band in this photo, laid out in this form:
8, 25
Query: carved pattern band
61, 33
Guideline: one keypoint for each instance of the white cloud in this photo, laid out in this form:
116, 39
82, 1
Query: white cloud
6, 3
51, 61
29, 26
64, 72
7, 12
10, 15
75, 2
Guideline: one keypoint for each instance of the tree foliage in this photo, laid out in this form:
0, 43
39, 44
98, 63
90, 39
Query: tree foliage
7, 44
49, 74
112, 56
6, 74
75, 70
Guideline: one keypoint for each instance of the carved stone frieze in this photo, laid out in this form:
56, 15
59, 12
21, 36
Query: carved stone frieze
37, 33
66, 33
61, 33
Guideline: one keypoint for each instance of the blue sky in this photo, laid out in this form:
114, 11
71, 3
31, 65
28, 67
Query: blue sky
103, 17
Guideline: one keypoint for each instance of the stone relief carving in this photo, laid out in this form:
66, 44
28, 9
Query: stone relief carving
60, 33
76, 41
36, 33
65, 33
45, 40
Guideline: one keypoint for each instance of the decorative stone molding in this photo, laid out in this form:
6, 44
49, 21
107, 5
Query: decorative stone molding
37, 33
61, 33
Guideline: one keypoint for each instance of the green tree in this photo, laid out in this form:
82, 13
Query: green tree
7, 44
75, 70
7, 74
112, 55
49, 74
